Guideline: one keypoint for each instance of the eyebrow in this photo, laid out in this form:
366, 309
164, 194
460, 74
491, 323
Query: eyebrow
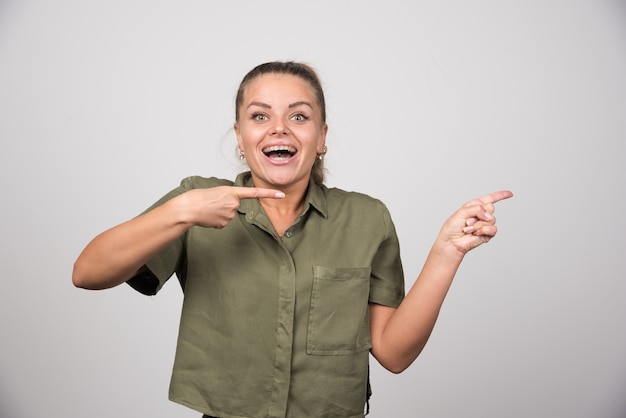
292, 105
260, 104
300, 103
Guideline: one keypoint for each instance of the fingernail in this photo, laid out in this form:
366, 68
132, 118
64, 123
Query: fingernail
279, 195
468, 229
488, 215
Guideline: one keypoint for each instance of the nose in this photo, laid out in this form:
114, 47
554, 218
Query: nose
279, 128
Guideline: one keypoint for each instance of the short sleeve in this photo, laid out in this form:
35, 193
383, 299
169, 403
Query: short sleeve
172, 258
387, 277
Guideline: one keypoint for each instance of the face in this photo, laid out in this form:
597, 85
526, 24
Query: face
280, 131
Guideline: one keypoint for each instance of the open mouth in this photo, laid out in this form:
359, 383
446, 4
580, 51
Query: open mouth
279, 152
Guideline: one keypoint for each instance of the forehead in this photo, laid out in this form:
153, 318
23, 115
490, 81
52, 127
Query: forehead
273, 87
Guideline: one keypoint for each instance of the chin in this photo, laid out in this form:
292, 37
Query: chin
279, 181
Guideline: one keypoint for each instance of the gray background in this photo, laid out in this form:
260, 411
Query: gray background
106, 105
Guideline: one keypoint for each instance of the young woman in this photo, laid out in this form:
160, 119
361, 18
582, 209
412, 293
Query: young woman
288, 284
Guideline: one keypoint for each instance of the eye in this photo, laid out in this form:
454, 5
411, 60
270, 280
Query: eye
299, 117
259, 117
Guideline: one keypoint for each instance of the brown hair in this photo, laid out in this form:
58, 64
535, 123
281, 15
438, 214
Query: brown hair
303, 71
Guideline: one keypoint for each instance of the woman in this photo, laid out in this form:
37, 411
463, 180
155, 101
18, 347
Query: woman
288, 284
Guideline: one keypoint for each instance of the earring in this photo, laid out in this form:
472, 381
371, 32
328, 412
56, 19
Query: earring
242, 156
320, 156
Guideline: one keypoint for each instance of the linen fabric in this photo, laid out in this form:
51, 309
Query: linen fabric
279, 327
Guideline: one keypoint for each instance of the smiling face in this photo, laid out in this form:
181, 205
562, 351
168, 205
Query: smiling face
280, 130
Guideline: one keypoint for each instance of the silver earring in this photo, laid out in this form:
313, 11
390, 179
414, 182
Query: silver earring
241, 155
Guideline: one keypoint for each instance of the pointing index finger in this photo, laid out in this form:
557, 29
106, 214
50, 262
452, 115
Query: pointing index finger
496, 196
258, 193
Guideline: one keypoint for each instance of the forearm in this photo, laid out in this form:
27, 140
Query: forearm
116, 255
399, 335
409, 326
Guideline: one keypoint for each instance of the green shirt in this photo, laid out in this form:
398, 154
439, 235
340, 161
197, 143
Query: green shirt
275, 327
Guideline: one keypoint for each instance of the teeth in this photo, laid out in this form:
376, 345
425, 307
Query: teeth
279, 148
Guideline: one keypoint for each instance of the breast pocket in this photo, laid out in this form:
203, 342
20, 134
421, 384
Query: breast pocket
339, 317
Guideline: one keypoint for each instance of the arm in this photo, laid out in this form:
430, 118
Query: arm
119, 253
399, 335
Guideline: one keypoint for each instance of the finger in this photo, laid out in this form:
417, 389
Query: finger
481, 229
476, 211
472, 229
486, 231
257, 193
477, 218
495, 197
486, 215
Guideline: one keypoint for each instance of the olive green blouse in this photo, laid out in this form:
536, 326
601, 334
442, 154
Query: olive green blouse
279, 327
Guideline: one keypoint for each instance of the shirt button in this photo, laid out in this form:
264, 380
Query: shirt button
288, 234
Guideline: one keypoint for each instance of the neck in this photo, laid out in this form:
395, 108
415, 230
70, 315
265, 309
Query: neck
282, 213
292, 203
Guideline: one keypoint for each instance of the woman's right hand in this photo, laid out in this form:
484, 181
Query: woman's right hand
119, 253
215, 207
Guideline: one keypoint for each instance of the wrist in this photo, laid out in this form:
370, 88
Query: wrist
446, 250
179, 211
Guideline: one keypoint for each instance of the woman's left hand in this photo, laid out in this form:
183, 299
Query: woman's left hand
399, 335
474, 223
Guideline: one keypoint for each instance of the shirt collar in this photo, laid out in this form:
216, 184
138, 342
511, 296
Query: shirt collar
316, 197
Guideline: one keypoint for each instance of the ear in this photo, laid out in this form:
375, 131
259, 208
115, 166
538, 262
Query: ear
322, 141
238, 133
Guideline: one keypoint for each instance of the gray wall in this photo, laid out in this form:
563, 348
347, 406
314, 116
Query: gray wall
106, 105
